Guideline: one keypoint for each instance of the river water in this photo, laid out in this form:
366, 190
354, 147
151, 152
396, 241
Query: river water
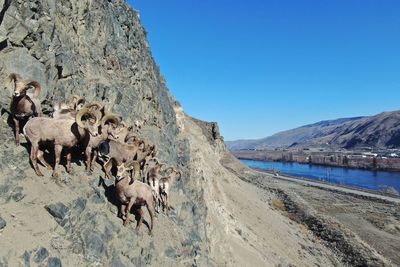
372, 180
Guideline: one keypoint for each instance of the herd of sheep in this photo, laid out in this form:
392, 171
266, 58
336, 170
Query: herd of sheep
103, 137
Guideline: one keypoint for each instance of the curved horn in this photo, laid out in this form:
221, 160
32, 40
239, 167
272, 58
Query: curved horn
79, 104
172, 168
107, 108
98, 115
75, 100
156, 159
84, 111
79, 116
37, 87
110, 118
14, 77
95, 105
129, 136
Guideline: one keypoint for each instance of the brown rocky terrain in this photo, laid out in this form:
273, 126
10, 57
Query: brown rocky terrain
224, 214
381, 131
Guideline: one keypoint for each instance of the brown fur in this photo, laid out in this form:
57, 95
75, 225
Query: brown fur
137, 193
165, 185
62, 133
23, 105
119, 153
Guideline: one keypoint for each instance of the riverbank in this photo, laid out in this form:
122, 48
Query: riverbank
344, 159
333, 187
360, 227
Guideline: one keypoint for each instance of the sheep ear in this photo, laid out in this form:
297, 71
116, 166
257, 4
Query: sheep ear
130, 165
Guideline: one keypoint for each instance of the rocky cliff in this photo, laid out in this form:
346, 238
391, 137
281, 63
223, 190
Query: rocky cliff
99, 49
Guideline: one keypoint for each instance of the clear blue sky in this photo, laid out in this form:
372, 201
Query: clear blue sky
258, 67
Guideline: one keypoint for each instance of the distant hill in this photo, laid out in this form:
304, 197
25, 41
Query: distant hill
379, 131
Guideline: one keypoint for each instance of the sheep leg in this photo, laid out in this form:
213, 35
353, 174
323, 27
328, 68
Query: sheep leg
128, 211
139, 223
155, 200
107, 169
88, 152
163, 201
41, 159
33, 157
158, 203
166, 204
57, 154
69, 159
150, 209
122, 211
93, 160
16, 124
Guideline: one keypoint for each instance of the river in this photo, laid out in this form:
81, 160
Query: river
372, 180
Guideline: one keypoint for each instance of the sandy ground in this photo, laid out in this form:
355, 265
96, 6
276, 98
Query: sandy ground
371, 220
246, 220
244, 227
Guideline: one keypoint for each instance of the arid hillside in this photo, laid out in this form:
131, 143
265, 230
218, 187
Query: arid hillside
221, 216
380, 131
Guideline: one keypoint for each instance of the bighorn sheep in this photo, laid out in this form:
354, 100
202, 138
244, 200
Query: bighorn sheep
136, 193
109, 129
153, 176
117, 152
165, 184
144, 154
23, 105
126, 133
62, 133
68, 109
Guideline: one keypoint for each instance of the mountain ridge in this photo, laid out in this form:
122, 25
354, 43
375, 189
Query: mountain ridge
376, 131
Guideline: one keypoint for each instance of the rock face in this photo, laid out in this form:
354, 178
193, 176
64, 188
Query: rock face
98, 49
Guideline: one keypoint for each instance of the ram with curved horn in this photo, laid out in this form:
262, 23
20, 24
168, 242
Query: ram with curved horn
109, 129
24, 105
116, 153
62, 134
68, 109
144, 154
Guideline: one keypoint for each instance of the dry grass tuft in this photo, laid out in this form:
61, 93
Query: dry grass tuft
278, 204
304, 229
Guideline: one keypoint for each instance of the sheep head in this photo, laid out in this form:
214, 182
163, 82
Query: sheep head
125, 167
123, 131
21, 85
76, 102
89, 120
110, 124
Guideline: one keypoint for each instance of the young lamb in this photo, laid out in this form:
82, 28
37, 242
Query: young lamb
24, 105
153, 176
136, 193
165, 185
117, 153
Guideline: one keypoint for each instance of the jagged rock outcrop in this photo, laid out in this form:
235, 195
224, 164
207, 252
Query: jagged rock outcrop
97, 49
